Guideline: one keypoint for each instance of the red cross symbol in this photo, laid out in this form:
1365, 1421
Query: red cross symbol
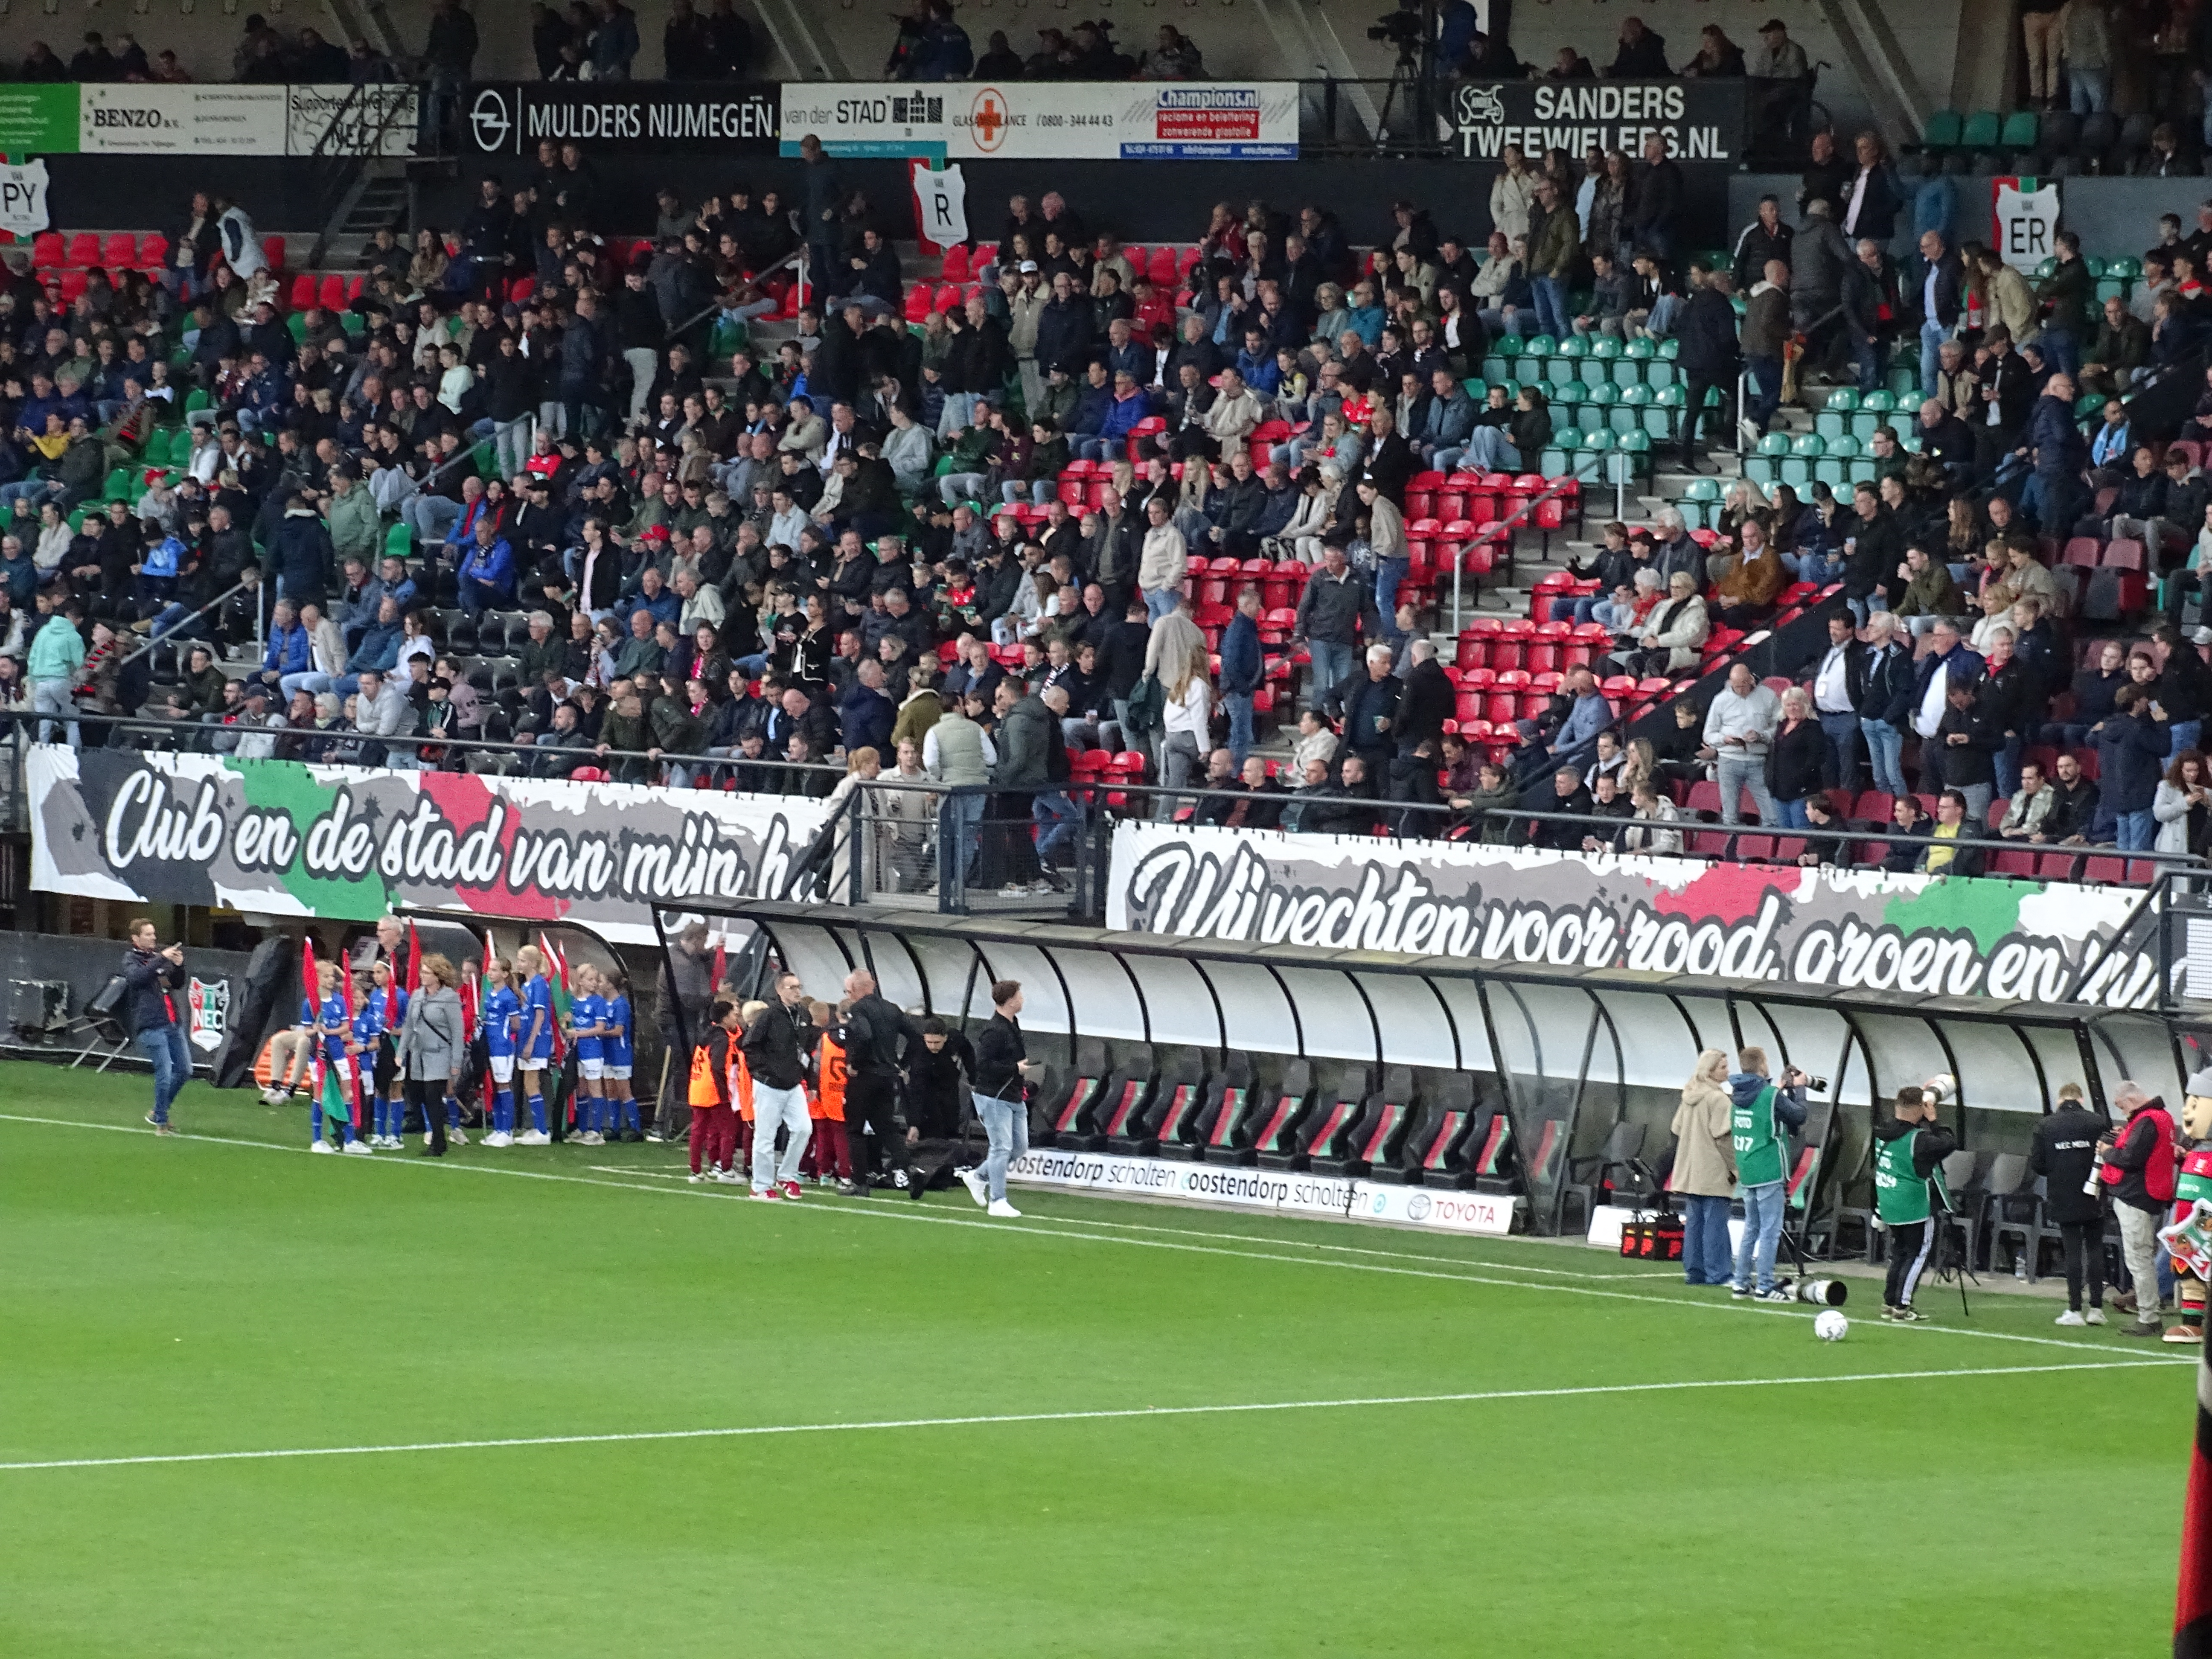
990, 118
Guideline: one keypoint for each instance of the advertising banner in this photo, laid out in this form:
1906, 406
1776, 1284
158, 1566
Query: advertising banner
708, 118
1702, 121
345, 843
379, 120
39, 119
1865, 929
1278, 1192
141, 119
24, 202
1059, 120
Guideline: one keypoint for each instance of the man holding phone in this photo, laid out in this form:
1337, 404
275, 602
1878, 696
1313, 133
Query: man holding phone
1002, 1066
153, 977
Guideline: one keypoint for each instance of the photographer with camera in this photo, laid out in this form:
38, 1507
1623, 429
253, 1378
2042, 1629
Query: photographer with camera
1762, 1114
1909, 1150
153, 977
2067, 1153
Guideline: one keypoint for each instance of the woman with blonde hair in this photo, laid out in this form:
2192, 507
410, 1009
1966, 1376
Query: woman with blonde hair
434, 1046
1704, 1170
1184, 725
841, 880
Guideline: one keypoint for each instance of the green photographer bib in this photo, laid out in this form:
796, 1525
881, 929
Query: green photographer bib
1900, 1194
1753, 1136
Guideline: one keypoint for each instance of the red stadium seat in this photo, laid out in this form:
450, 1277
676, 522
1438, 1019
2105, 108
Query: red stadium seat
120, 252
303, 292
153, 251
956, 264
330, 293
272, 250
46, 250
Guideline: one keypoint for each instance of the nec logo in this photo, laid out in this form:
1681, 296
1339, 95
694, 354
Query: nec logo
109, 116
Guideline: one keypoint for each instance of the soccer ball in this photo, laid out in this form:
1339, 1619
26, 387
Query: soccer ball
1831, 1325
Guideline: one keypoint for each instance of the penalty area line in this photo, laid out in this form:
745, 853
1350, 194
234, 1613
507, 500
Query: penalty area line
1006, 1418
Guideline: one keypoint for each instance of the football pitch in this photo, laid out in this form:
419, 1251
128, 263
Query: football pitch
553, 1402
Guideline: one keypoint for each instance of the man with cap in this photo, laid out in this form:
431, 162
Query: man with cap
1781, 84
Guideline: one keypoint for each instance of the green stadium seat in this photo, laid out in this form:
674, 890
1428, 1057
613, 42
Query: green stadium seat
2020, 131
1506, 345
1982, 131
1605, 346
400, 542
1574, 345
1540, 345
2128, 270
1495, 368
1569, 394
1562, 371
1943, 131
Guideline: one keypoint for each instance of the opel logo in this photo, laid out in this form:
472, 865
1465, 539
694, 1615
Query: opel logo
488, 122
1474, 105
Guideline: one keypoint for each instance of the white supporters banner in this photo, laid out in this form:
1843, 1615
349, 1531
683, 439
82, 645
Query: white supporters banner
343, 120
1057, 120
1279, 1192
24, 207
1853, 929
2023, 220
940, 201
137, 118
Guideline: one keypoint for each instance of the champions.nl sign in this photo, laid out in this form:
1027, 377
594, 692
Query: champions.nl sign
1277, 1192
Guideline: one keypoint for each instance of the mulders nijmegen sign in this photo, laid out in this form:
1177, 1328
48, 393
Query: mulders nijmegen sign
285, 839
1846, 929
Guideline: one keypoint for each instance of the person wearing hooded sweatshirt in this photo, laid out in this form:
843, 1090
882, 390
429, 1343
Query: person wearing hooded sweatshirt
1909, 1148
1762, 1114
1705, 1169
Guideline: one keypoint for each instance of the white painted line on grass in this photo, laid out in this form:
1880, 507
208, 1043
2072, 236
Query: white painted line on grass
1003, 1419
648, 1182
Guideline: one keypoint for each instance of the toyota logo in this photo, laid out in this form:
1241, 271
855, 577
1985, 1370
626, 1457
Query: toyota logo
490, 123
1418, 1206
1474, 105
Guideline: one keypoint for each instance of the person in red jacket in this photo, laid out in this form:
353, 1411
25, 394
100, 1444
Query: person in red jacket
2139, 1166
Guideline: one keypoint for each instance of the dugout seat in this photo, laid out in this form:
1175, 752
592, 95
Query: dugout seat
1317, 1133
1375, 1136
1123, 1102
1213, 1116
1591, 1178
1063, 1105
1271, 1125
1433, 1151
1171, 1105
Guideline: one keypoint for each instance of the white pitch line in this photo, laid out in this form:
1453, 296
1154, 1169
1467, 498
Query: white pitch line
1003, 1419
647, 1183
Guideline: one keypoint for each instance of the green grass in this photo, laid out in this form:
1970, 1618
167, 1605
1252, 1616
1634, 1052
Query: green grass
206, 1295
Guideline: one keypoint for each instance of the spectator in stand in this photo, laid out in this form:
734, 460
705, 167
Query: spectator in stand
1335, 613
1739, 727
1641, 56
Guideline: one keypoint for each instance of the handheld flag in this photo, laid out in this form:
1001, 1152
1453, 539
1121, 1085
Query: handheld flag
471, 997
353, 1012
562, 1002
2192, 1612
721, 957
310, 990
414, 961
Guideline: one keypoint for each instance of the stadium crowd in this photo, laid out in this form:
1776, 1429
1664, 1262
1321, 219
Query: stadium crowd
532, 485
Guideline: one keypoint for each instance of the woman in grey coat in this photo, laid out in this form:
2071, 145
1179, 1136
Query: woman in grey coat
433, 1046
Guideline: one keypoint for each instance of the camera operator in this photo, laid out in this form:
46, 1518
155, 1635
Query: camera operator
2064, 1153
1761, 1116
153, 977
1909, 1150
2139, 1167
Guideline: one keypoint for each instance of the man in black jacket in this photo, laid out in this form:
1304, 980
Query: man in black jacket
1709, 356
1931, 290
878, 1040
777, 1046
151, 979
1002, 1066
2064, 1153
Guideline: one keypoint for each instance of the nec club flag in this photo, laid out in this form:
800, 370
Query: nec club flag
940, 202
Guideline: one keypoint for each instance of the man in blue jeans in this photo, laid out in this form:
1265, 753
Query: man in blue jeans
1336, 615
151, 979
1761, 1116
1001, 1067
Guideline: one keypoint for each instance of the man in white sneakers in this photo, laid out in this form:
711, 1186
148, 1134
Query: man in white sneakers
777, 1045
1002, 1066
